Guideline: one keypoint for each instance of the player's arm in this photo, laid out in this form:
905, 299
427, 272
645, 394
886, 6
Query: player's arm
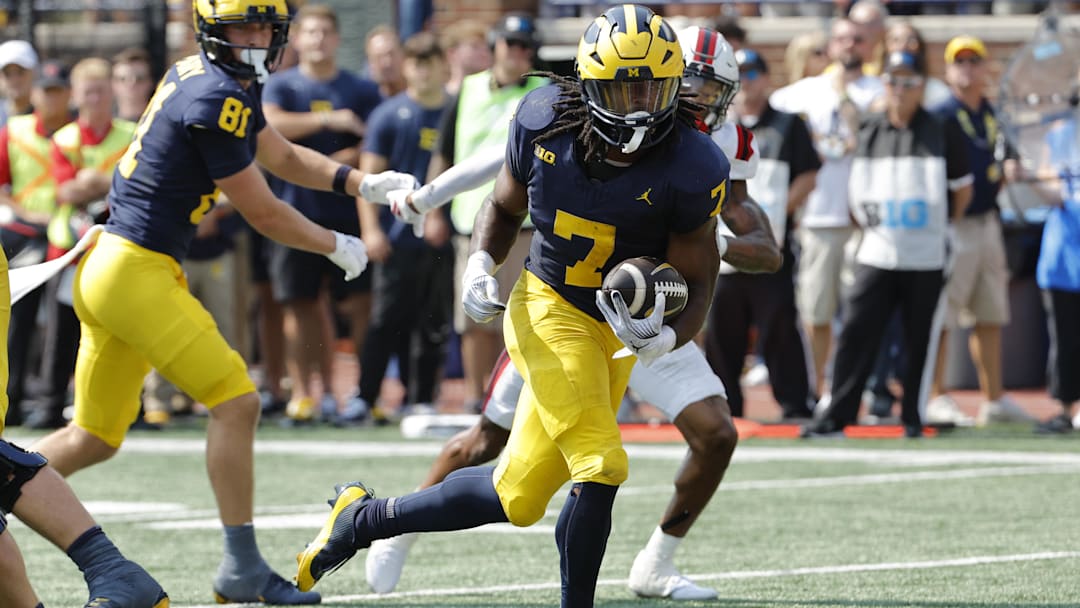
696, 257
300, 165
272, 217
500, 217
370, 229
753, 249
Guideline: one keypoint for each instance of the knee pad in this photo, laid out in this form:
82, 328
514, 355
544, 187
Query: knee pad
524, 510
609, 467
17, 466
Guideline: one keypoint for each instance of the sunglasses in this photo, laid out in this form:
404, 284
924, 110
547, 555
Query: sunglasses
973, 60
817, 52
518, 44
902, 82
751, 74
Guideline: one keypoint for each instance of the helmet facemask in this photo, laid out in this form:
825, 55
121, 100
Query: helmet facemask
632, 114
251, 63
714, 92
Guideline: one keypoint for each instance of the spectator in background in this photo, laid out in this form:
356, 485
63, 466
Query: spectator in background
728, 27
832, 104
1058, 272
903, 36
806, 55
323, 107
907, 167
977, 288
412, 287
786, 173
132, 82
478, 119
18, 61
83, 155
29, 193
383, 51
467, 51
869, 17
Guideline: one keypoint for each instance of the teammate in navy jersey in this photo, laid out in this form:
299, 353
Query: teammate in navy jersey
609, 165
412, 278
680, 383
321, 106
200, 136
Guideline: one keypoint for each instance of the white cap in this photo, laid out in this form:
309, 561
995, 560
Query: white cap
18, 52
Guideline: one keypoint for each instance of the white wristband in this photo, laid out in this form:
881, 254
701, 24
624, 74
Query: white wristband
423, 199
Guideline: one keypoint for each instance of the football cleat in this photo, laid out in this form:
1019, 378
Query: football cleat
336, 542
651, 576
386, 560
128, 586
276, 591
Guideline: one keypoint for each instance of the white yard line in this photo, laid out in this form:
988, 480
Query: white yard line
397, 449
742, 574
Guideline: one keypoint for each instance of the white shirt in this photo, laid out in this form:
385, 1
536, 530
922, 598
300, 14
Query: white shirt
817, 99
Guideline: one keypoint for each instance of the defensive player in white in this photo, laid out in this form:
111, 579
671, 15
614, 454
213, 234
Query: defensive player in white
680, 383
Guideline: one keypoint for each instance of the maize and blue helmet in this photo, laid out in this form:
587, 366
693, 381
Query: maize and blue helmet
630, 66
211, 17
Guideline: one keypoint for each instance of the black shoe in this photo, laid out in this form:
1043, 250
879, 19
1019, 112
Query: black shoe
822, 428
1055, 426
913, 431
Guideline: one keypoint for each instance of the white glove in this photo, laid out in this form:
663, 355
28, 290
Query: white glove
375, 186
349, 254
647, 338
480, 290
405, 212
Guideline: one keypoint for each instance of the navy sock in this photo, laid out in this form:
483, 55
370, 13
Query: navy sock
581, 535
465, 499
94, 553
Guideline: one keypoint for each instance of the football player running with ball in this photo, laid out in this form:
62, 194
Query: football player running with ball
680, 383
610, 165
203, 134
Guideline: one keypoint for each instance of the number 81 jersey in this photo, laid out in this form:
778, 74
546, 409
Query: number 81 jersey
200, 125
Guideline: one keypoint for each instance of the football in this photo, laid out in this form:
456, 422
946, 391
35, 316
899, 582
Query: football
638, 280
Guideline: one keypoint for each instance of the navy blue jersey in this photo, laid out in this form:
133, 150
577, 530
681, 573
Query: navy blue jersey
292, 91
200, 125
980, 130
404, 133
585, 226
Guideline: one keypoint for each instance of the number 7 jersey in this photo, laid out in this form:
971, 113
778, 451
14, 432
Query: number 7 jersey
200, 125
585, 226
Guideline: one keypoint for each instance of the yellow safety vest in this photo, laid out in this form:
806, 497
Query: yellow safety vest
483, 120
102, 156
32, 183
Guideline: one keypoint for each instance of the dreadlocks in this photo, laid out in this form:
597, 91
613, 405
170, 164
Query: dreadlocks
574, 116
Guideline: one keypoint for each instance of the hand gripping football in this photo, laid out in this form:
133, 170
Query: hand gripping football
638, 279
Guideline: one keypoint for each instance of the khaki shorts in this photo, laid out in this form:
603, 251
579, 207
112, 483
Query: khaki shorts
821, 262
507, 275
977, 290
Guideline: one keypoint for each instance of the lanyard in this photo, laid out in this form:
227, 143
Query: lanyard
989, 124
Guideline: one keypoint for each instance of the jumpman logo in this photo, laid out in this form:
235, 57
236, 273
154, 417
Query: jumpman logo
645, 197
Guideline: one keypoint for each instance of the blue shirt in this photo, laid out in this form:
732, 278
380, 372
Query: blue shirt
200, 125
585, 226
980, 132
404, 133
1059, 258
292, 91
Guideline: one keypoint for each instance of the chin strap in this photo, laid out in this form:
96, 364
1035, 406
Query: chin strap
256, 58
639, 133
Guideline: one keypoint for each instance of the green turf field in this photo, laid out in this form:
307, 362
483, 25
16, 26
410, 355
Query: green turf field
977, 519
